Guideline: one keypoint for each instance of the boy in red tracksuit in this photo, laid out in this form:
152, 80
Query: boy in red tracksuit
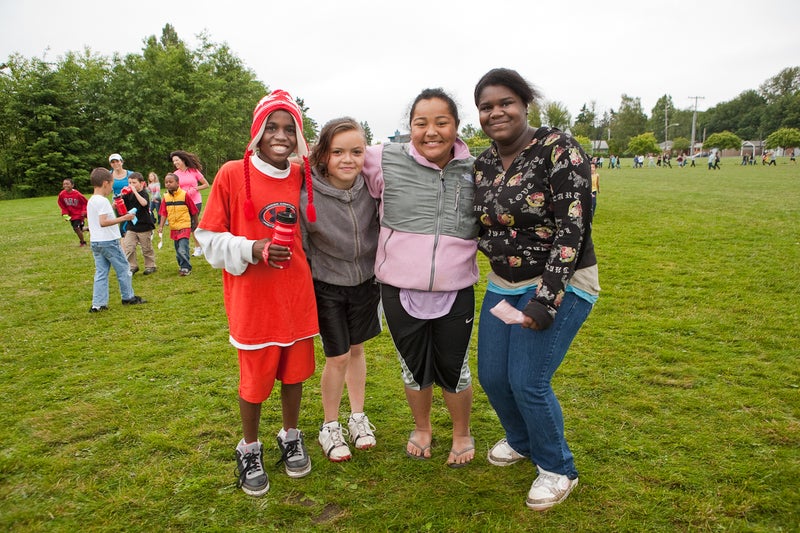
73, 207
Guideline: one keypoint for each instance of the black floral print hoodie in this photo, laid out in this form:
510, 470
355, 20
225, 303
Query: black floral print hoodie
536, 217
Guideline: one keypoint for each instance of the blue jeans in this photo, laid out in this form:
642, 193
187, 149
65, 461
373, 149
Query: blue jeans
515, 366
182, 254
109, 254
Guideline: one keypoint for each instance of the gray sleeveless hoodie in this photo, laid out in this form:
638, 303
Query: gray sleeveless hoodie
341, 244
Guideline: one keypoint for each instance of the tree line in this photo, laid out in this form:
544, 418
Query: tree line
60, 119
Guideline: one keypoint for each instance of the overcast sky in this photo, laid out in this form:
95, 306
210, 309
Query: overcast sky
370, 58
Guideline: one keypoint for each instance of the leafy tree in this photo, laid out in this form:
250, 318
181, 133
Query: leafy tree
534, 115
367, 132
586, 122
629, 121
228, 93
742, 116
645, 143
556, 115
310, 126
475, 138
585, 142
785, 83
681, 144
656, 121
723, 140
784, 138
48, 142
782, 113
615, 146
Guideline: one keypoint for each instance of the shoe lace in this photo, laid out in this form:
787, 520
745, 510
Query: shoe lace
290, 449
337, 436
548, 481
251, 464
363, 425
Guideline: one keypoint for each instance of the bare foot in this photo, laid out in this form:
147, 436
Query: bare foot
462, 452
419, 444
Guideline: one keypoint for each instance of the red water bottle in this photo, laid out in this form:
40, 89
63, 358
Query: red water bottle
119, 205
285, 224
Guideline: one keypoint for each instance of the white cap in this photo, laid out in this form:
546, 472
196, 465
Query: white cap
113, 157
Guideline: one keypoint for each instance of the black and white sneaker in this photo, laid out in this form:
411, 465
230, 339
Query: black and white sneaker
250, 469
293, 454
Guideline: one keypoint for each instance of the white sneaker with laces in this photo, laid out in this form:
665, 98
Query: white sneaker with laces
549, 489
361, 431
502, 454
331, 438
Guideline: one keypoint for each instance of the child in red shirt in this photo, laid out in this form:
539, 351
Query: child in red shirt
269, 300
73, 208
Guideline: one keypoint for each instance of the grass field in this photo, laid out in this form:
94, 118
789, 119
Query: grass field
681, 394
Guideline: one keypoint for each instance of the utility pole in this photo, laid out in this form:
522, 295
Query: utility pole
694, 122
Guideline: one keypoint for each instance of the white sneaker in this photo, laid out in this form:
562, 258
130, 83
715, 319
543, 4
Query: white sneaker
197, 251
331, 439
361, 432
502, 454
549, 489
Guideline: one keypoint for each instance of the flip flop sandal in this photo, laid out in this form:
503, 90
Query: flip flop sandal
422, 456
460, 453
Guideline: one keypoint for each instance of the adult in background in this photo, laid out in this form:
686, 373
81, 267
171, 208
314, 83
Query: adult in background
119, 173
190, 178
534, 204
427, 266
120, 177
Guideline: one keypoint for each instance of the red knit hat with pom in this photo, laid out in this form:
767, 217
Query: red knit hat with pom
277, 100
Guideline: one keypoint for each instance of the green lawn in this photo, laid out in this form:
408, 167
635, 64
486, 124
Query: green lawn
681, 394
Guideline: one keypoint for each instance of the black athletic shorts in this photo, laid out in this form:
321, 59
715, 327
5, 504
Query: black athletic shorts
434, 350
347, 315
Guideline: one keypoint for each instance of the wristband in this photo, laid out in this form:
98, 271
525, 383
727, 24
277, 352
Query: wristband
265, 252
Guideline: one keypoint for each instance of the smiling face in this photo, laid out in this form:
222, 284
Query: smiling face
279, 139
502, 114
178, 162
67, 185
346, 158
434, 130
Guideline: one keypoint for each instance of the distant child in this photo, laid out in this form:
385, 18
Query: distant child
181, 213
141, 232
268, 291
154, 188
104, 232
595, 186
73, 207
341, 248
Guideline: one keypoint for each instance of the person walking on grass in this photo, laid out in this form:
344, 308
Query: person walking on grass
73, 208
190, 176
534, 203
154, 188
106, 248
268, 290
427, 266
181, 214
341, 248
140, 229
